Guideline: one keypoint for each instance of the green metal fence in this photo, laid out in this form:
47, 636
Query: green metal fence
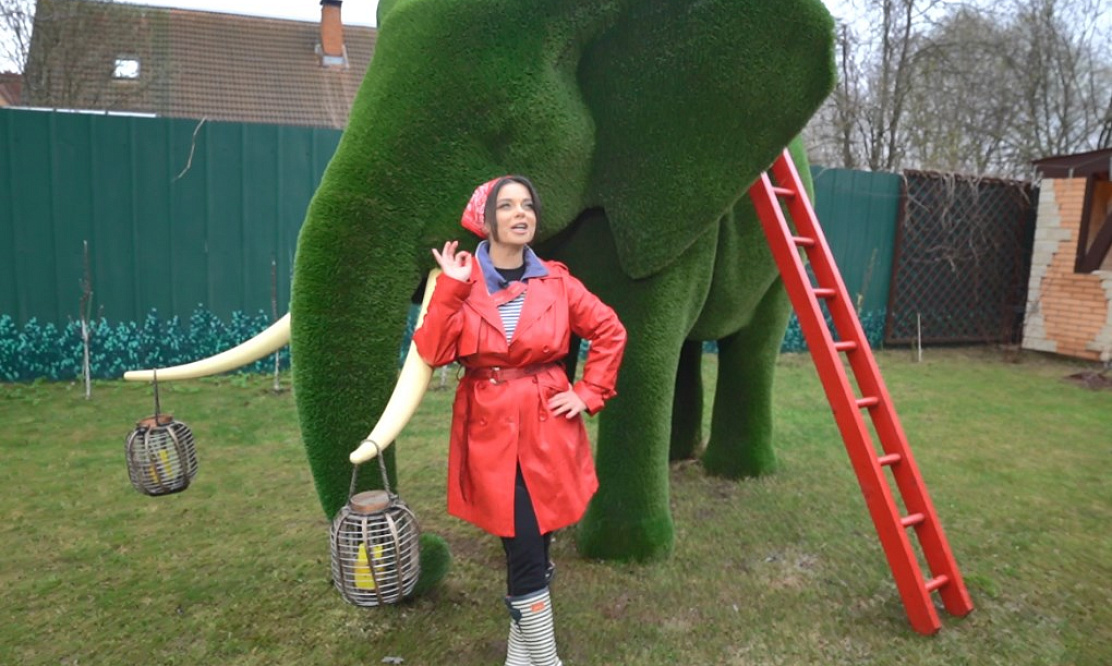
184, 218
858, 212
177, 213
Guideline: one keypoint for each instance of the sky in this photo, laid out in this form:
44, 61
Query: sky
354, 12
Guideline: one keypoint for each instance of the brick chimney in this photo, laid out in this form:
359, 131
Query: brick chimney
331, 49
10, 85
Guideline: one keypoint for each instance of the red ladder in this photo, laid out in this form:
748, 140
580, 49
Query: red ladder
891, 526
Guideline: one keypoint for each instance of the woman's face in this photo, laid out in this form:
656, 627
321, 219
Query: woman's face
515, 222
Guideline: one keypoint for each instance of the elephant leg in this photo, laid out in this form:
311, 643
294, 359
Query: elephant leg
743, 397
687, 403
630, 516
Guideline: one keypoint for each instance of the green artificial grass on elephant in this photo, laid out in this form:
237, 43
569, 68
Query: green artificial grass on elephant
642, 125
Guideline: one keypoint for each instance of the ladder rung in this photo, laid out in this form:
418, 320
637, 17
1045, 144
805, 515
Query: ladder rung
871, 401
890, 459
912, 519
803, 240
785, 192
825, 292
935, 583
846, 345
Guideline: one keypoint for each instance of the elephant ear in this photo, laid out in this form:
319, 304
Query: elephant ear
384, 7
691, 101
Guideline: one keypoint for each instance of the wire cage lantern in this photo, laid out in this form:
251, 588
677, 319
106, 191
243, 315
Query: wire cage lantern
375, 546
161, 456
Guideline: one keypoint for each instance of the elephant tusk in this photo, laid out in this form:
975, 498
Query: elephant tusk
413, 381
267, 342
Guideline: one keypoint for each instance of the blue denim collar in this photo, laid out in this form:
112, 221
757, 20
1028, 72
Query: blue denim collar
534, 268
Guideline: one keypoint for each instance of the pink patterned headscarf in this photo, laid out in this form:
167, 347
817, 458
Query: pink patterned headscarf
474, 215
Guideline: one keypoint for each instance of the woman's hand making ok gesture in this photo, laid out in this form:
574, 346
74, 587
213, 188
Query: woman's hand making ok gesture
456, 265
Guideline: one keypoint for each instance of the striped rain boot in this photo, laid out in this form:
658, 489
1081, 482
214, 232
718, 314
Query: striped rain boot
516, 654
532, 613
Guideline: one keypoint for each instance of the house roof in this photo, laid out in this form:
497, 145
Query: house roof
192, 64
1077, 165
10, 83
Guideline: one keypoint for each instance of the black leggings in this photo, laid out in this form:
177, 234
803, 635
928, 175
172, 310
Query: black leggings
527, 552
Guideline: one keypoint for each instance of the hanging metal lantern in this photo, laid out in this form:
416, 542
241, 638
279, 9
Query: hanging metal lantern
161, 457
375, 546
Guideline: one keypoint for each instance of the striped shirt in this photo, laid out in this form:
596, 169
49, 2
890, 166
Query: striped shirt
511, 310
498, 279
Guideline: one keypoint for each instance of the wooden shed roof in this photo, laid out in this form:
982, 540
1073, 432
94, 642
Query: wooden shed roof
1077, 165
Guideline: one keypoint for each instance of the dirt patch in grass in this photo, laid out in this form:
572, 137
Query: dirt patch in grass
477, 549
1091, 379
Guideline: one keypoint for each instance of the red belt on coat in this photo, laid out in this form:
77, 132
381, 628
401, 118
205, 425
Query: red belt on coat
499, 375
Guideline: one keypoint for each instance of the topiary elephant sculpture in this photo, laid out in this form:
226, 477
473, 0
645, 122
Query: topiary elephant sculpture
642, 124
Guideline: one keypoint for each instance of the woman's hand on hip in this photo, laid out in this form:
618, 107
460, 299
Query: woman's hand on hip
456, 265
568, 403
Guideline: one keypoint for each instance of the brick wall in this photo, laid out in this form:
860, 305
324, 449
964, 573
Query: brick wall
1067, 313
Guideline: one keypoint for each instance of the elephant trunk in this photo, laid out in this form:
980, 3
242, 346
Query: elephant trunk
413, 381
354, 277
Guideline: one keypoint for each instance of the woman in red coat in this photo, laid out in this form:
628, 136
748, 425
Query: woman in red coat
519, 464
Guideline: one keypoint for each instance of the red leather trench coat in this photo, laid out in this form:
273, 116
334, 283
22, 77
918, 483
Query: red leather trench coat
499, 424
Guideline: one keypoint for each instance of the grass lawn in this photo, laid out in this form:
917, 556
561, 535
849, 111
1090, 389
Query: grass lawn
786, 569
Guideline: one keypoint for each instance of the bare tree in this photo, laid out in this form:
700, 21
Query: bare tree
1063, 92
891, 82
961, 111
972, 87
832, 136
95, 54
1002, 89
864, 119
1105, 140
16, 18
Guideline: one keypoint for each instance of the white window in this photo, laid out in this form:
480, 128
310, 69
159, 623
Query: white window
126, 68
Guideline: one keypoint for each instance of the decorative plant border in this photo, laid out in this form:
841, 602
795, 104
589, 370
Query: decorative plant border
47, 351
36, 350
